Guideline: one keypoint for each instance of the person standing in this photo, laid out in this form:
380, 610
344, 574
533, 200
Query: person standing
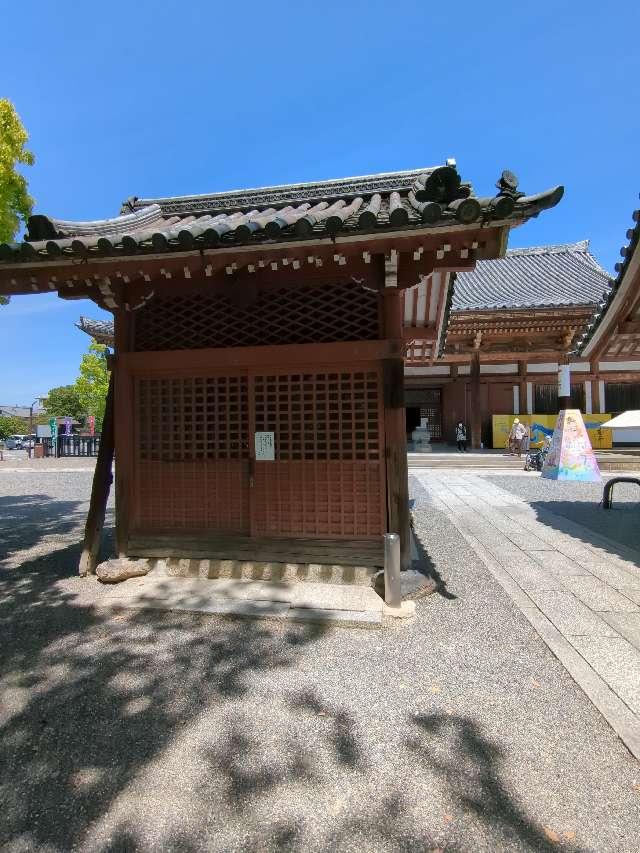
516, 437
461, 437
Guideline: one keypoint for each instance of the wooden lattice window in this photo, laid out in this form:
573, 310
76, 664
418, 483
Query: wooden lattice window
621, 396
320, 415
311, 314
431, 409
193, 418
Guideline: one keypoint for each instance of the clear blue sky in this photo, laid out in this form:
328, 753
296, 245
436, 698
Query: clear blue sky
165, 98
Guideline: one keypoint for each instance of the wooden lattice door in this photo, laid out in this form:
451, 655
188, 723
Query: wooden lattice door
196, 467
193, 453
327, 478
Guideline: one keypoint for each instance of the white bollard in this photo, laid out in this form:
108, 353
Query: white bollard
392, 591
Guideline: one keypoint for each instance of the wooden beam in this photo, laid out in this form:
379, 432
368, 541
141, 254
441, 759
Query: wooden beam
99, 491
419, 333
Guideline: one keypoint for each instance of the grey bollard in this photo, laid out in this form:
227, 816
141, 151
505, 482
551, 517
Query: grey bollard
392, 592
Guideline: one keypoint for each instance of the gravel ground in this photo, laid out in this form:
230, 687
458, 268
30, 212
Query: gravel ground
580, 502
175, 732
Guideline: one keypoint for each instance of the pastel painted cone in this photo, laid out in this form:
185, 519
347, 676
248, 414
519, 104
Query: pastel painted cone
571, 456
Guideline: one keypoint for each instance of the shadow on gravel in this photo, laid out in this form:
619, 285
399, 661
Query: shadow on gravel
27, 519
428, 568
470, 766
89, 700
619, 524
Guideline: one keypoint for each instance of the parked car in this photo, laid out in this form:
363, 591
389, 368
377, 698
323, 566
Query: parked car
14, 442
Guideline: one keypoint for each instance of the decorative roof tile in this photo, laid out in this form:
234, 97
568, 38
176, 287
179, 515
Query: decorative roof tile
418, 199
540, 276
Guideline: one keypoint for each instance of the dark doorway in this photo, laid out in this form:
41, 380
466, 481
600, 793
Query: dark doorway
413, 418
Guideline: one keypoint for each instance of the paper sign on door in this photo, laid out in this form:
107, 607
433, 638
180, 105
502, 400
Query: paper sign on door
265, 447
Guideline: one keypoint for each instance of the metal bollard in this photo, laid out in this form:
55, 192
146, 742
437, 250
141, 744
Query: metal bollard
392, 591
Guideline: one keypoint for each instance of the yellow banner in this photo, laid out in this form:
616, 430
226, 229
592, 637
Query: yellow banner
541, 425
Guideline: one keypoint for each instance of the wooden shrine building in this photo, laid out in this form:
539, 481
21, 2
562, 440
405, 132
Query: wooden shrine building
259, 351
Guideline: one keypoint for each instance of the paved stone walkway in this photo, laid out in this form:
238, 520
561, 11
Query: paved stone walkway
578, 589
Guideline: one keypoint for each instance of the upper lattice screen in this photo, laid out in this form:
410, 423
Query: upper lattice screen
393, 201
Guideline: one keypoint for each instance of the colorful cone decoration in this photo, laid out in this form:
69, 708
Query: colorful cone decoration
571, 456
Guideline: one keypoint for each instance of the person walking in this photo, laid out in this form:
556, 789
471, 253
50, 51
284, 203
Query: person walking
461, 437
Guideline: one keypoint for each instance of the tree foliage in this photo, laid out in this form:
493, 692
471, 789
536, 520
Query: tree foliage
15, 202
63, 401
88, 394
93, 382
11, 426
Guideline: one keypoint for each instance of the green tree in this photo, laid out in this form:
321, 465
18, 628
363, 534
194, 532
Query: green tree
63, 401
92, 384
11, 426
15, 202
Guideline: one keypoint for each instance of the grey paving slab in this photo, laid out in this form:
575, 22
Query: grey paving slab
626, 624
517, 532
569, 615
598, 595
619, 578
616, 711
617, 662
631, 592
593, 648
530, 575
558, 563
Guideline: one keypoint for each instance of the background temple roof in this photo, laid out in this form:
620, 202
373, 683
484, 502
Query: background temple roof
540, 276
604, 314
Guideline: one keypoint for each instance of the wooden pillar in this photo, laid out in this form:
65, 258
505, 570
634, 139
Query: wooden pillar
123, 430
398, 520
564, 384
476, 414
522, 386
99, 491
596, 402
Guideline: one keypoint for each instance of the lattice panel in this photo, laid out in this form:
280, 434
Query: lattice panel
206, 495
202, 417
312, 314
332, 499
193, 453
327, 477
431, 409
320, 415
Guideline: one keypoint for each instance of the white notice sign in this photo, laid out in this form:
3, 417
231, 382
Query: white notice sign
265, 446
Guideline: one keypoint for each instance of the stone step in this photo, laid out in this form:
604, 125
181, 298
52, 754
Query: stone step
325, 604
264, 571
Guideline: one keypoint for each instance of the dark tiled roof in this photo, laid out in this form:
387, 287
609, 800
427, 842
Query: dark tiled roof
422, 198
626, 252
542, 276
100, 330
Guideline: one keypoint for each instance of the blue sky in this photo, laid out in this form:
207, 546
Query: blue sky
165, 98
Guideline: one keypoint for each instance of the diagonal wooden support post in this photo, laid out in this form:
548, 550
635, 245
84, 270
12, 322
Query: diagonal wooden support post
99, 491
